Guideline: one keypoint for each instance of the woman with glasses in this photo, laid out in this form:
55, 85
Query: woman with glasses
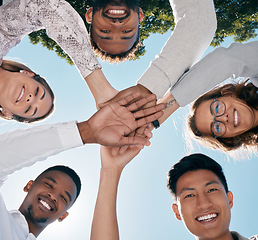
227, 116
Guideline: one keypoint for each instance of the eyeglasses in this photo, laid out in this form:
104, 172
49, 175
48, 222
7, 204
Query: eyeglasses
217, 109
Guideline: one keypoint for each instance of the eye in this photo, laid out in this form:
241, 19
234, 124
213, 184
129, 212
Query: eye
105, 31
37, 91
127, 31
212, 190
48, 185
64, 199
189, 195
27, 109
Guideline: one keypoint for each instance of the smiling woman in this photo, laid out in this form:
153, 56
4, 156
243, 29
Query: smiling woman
24, 95
227, 117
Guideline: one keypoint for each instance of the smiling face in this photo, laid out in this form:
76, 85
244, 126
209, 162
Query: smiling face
48, 199
237, 118
23, 96
114, 25
203, 205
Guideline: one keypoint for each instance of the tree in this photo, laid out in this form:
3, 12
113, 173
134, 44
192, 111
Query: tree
236, 18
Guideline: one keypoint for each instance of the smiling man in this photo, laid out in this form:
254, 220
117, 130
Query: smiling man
114, 29
48, 198
201, 198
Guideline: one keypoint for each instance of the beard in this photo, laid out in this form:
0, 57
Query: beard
29, 215
101, 4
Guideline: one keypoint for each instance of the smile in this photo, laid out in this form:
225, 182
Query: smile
21, 95
116, 12
44, 205
207, 218
236, 118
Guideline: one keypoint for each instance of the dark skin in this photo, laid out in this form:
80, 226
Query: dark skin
48, 199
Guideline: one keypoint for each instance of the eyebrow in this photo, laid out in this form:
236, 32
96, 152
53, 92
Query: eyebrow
54, 181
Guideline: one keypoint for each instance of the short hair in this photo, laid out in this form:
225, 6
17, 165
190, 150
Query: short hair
191, 163
13, 66
70, 172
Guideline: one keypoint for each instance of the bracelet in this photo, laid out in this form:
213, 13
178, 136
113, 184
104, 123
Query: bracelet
156, 123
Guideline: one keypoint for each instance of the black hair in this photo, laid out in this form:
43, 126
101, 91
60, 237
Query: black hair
190, 163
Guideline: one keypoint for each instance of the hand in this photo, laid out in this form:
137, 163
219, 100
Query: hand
143, 131
111, 125
143, 91
118, 162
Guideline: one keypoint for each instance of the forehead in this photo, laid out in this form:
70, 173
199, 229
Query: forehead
197, 179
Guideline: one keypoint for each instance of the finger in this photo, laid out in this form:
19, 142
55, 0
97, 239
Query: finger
149, 111
142, 121
135, 140
140, 103
129, 98
115, 151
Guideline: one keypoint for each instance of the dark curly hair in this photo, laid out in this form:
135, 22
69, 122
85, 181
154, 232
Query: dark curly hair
13, 66
243, 90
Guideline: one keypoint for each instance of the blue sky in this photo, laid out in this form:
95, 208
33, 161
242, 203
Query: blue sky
144, 203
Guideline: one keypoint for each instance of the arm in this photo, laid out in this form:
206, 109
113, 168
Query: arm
109, 126
62, 23
238, 60
104, 223
195, 26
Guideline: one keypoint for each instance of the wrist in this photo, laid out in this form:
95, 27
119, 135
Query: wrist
86, 133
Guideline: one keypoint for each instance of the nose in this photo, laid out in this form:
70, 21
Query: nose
116, 21
29, 98
203, 202
52, 196
224, 118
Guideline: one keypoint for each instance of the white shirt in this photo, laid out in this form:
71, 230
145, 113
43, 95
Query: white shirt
62, 23
35, 144
195, 27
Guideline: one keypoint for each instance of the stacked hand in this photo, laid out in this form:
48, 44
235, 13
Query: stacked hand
113, 123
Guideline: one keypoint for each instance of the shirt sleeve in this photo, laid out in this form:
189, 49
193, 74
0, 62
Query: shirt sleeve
62, 23
238, 60
23, 147
195, 27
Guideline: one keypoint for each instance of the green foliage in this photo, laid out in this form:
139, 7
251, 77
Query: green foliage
236, 18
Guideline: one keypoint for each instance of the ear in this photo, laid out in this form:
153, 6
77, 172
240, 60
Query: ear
63, 217
230, 199
29, 73
176, 211
28, 186
88, 15
141, 15
7, 114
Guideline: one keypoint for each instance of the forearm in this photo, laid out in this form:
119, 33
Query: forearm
99, 86
24, 147
194, 30
62, 23
171, 106
238, 60
104, 224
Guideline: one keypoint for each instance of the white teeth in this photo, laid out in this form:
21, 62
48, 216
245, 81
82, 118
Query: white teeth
116, 11
19, 98
45, 204
235, 118
207, 218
